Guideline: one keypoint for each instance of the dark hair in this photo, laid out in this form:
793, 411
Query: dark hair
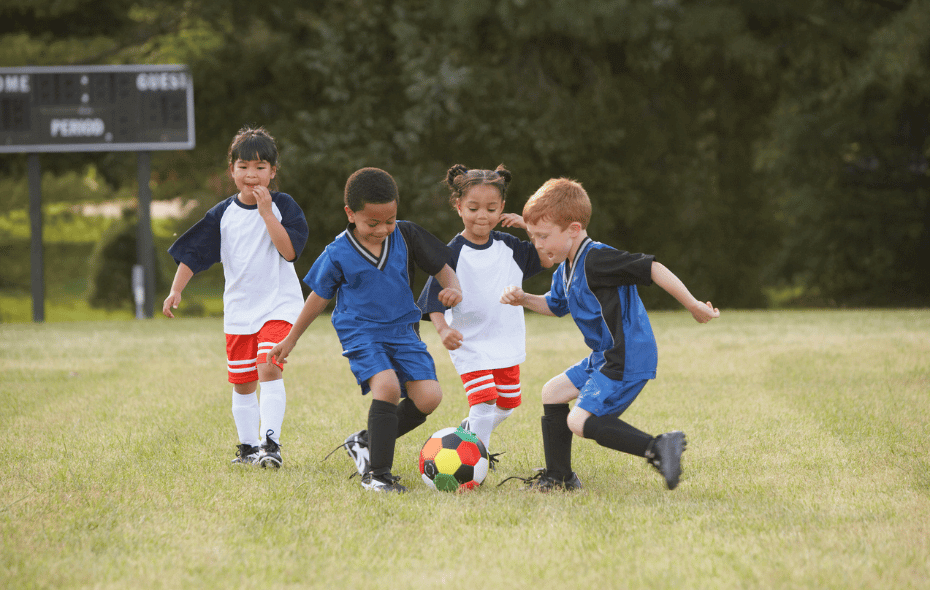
369, 185
460, 179
253, 143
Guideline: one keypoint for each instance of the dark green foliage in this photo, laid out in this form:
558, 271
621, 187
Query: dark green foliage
750, 145
110, 265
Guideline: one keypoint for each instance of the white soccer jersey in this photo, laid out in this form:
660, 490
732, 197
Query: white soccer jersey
260, 285
493, 334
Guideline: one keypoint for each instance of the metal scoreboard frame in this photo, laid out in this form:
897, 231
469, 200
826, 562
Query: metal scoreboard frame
131, 108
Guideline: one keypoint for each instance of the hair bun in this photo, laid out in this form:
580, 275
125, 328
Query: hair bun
454, 172
504, 173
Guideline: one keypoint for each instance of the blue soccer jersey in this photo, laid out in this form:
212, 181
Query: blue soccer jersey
598, 289
374, 296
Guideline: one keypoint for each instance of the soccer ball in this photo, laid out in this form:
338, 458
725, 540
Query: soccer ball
453, 459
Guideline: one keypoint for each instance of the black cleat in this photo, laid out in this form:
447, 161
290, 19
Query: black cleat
665, 455
246, 455
270, 455
382, 483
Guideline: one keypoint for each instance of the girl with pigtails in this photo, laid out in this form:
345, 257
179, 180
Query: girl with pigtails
486, 339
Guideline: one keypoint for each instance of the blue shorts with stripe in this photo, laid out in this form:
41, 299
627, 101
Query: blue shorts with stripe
599, 394
406, 355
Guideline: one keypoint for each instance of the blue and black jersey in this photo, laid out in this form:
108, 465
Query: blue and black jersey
598, 289
374, 296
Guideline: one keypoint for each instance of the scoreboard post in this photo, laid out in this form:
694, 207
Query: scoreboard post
138, 108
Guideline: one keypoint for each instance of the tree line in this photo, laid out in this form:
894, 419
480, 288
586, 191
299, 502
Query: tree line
756, 148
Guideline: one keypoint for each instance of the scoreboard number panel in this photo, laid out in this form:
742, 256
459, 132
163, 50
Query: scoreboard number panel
96, 108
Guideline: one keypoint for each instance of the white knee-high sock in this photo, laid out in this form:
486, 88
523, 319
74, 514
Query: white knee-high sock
245, 413
481, 422
500, 414
273, 401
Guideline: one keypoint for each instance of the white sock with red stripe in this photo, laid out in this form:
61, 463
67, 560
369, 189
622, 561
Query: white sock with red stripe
481, 422
246, 414
273, 402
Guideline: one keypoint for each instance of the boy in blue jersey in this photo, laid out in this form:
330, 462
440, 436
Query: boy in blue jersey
369, 268
596, 284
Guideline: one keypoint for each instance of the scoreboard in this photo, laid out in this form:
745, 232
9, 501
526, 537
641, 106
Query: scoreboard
96, 108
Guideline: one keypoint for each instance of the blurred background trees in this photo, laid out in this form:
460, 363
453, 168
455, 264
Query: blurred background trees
766, 152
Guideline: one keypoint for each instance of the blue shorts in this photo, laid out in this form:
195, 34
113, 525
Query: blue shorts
407, 356
599, 394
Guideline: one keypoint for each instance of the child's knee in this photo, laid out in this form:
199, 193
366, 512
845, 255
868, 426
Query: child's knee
425, 394
576, 423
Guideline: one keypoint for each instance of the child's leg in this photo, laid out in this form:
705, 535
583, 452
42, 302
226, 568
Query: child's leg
482, 397
383, 421
422, 398
242, 373
609, 431
595, 416
557, 438
508, 393
246, 413
273, 397
481, 421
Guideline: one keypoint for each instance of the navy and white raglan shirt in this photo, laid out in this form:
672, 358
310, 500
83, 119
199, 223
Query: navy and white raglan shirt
598, 289
374, 296
493, 334
260, 285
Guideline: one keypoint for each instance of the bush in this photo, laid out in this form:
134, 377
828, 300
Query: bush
109, 283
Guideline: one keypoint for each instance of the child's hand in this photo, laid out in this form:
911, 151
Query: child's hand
512, 296
704, 312
450, 297
512, 220
171, 302
451, 338
263, 199
279, 352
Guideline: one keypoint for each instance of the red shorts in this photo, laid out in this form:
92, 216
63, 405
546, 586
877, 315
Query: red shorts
245, 351
502, 385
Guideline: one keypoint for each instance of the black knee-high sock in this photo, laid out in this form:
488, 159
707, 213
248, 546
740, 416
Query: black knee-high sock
409, 416
382, 432
613, 433
557, 440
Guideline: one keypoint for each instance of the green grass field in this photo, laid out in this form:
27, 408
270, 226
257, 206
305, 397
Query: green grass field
808, 466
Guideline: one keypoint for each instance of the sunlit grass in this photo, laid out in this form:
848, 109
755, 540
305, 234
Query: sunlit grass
807, 466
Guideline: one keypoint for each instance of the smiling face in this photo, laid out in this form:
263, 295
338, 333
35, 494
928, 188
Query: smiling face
480, 209
373, 223
249, 173
554, 243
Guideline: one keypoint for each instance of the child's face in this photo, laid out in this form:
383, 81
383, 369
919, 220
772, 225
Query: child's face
552, 242
480, 209
249, 173
374, 222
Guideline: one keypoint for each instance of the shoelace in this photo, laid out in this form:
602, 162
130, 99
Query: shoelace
343, 446
270, 444
540, 473
493, 460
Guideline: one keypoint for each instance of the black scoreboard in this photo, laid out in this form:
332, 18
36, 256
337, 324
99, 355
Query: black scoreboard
96, 108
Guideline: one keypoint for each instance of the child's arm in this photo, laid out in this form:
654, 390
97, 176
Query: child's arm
451, 294
451, 338
517, 296
663, 277
313, 307
278, 234
181, 278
